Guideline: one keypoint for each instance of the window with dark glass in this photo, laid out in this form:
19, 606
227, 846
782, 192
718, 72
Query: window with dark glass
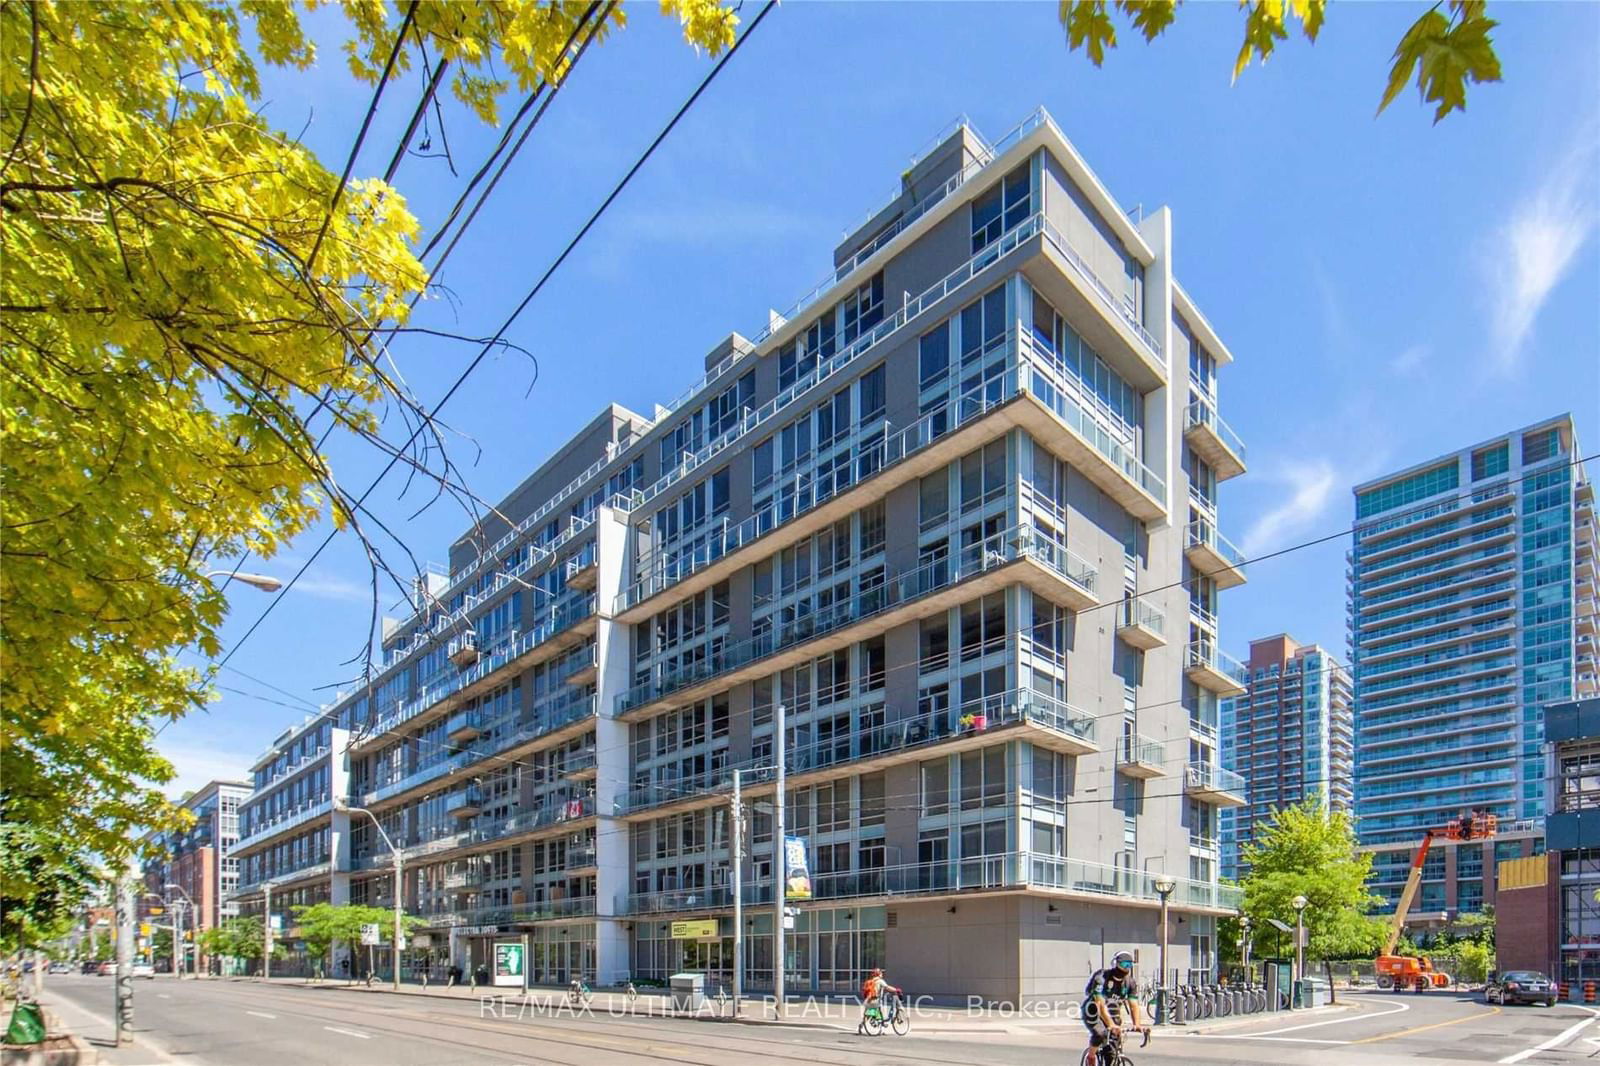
1002, 207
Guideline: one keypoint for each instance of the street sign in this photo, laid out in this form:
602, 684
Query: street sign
422, 940
277, 923
370, 934
698, 930
508, 964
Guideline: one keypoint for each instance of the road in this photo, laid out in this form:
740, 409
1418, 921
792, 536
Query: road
238, 1023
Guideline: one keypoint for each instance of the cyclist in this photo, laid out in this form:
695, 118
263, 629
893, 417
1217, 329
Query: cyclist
873, 989
1108, 993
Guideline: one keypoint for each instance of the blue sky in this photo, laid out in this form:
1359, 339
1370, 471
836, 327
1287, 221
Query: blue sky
1390, 289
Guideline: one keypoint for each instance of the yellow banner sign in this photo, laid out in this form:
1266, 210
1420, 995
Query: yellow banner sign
704, 930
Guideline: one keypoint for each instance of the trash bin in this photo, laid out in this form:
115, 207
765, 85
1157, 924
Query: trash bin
27, 1024
688, 991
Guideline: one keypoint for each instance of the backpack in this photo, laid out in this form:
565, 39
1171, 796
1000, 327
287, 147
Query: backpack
866, 989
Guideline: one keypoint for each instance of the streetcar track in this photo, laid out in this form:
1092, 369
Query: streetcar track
629, 1029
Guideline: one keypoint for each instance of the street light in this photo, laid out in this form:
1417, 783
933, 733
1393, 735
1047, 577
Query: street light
1164, 886
346, 808
1299, 903
263, 582
179, 954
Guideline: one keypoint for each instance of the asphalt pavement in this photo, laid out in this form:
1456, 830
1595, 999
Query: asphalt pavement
246, 1023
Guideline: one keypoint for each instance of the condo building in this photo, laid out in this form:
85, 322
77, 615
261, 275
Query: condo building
1471, 607
1291, 737
197, 870
952, 519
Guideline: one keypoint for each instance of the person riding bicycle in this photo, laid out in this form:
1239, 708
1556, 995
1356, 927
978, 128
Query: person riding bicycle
873, 990
1107, 994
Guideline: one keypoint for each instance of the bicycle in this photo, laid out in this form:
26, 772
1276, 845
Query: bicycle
579, 994
632, 993
1110, 1053
372, 978
874, 1021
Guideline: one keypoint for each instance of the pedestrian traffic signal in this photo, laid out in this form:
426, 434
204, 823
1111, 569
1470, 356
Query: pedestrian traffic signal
144, 928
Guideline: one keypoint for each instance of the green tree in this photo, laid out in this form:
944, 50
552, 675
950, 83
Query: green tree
242, 937
1448, 46
1309, 851
322, 925
185, 289
43, 879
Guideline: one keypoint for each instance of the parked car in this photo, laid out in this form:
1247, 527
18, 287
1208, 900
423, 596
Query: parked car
1520, 986
144, 969
90, 967
60, 967
108, 969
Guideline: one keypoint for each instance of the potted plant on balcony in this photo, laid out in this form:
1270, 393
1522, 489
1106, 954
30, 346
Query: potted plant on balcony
974, 722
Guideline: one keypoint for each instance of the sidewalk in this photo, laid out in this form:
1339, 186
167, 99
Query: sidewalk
838, 1013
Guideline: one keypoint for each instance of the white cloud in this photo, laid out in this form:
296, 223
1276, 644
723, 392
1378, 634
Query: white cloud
1535, 248
197, 765
1408, 362
1310, 486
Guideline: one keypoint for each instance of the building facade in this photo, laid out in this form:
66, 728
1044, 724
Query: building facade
1471, 587
1291, 737
199, 861
1573, 826
952, 519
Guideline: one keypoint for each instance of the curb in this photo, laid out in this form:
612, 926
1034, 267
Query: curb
1252, 1019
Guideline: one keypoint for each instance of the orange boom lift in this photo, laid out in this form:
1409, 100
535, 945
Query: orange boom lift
1403, 971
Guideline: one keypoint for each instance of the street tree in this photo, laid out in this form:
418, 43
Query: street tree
1447, 47
43, 880
1310, 851
192, 305
323, 925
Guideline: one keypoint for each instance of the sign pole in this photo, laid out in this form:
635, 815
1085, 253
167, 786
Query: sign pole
266, 931
780, 862
736, 848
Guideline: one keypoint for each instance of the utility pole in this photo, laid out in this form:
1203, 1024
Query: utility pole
125, 927
397, 931
266, 930
780, 863
177, 939
736, 850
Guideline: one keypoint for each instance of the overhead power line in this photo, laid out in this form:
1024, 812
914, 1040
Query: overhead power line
512, 317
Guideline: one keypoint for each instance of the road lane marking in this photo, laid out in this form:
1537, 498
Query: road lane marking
346, 1032
1425, 1028
262, 1014
1272, 1034
1560, 1038
162, 995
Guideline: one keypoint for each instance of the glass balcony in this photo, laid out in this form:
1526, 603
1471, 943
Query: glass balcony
1057, 573
1213, 439
1214, 784
265, 828
550, 909
1213, 556
467, 804
1019, 714
1141, 624
1214, 670
464, 726
1047, 874
1139, 756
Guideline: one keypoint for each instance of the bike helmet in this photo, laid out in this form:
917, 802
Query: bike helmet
1122, 960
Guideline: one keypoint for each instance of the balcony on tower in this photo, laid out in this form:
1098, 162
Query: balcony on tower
1139, 756
1213, 670
467, 803
1212, 555
1214, 784
1140, 624
464, 649
1213, 439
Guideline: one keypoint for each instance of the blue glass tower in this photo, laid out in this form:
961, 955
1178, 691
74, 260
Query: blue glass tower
1466, 583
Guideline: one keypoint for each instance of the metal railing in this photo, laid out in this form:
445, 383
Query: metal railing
281, 823
1137, 748
1136, 612
1008, 870
1017, 543
1202, 653
1202, 533
1203, 415
904, 734
1203, 775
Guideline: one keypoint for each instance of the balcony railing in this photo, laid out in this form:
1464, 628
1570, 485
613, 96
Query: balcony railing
549, 721
1204, 654
1202, 533
492, 661
550, 814
904, 734
1014, 544
1205, 776
261, 829
1140, 750
1009, 870
1202, 414
545, 910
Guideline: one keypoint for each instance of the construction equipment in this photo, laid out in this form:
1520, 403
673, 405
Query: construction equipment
1403, 971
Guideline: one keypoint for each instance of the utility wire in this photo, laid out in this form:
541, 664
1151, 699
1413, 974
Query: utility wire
366, 123
510, 319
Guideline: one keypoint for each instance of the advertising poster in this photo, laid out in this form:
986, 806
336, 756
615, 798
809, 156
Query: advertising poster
796, 874
508, 964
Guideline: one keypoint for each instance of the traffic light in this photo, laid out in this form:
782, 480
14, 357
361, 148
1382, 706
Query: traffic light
144, 928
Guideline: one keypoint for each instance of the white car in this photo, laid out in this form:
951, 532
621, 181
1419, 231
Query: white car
143, 969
